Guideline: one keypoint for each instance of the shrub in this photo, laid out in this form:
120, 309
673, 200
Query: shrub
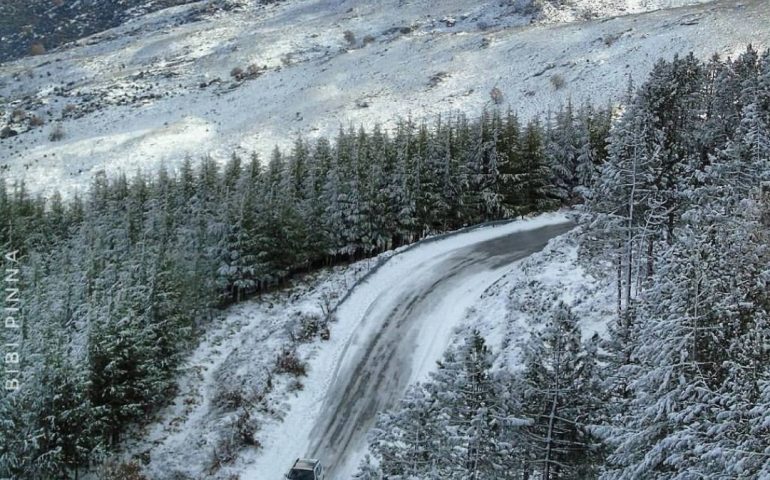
295, 386
236, 73
35, 121
177, 475
245, 428
588, 14
229, 399
349, 37
496, 95
437, 78
528, 7
310, 325
368, 39
558, 81
227, 446
610, 39
253, 71
57, 133
288, 362
7, 132
223, 453
326, 303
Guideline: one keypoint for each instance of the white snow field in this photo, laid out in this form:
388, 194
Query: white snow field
158, 89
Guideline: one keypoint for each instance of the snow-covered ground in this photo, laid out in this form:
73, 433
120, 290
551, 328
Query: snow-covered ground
235, 360
159, 88
519, 302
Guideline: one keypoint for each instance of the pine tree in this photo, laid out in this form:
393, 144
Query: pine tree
130, 271
379, 177
403, 193
593, 128
435, 184
509, 151
471, 414
563, 150
698, 348
65, 434
557, 395
533, 175
405, 439
368, 471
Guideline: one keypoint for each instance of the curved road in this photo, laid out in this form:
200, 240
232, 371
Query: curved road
375, 371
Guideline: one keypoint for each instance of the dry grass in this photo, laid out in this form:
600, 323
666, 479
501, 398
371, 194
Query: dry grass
37, 49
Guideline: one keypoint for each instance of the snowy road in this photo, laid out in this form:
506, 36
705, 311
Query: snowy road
391, 331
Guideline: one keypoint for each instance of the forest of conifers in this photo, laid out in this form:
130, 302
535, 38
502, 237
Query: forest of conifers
125, 276
678, 217
118, 284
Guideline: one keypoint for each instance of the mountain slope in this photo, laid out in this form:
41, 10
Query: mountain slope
29, 27
151, 92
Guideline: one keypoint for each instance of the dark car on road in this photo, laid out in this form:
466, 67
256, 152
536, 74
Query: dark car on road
306, 469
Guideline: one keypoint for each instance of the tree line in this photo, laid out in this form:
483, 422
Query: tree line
118, 283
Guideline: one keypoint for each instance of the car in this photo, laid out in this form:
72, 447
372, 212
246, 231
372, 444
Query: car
306, 469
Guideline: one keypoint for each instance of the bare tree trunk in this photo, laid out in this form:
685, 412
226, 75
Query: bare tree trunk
630, 236
650, 257
620, 287
549, 438
554, 410
629, 278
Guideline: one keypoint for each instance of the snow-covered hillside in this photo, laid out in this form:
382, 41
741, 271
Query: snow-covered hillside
231, 377
158, 89
32, 26
523, 298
